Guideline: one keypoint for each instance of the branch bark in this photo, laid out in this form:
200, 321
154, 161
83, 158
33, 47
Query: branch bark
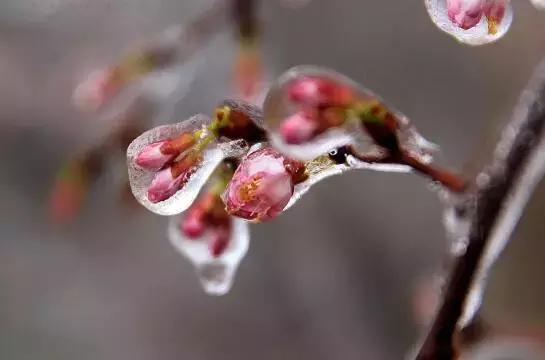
494, 204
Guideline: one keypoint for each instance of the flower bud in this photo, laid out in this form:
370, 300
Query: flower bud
261, 186
193, 224
219, 240
168, 181
154, 156
494, 11
163, 186
151, 158
465, 13
298, 128
318, 91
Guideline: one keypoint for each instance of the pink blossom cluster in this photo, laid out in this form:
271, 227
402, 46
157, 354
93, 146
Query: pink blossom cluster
255, 164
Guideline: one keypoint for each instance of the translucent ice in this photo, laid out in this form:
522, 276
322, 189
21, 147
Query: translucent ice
477, 35
317, 169
278, 106
216, 274
337, 94
140, 179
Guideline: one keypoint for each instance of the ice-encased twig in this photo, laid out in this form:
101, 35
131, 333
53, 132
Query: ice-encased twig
496, 203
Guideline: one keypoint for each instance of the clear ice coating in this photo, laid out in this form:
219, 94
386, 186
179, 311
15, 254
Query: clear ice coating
477, 35
140, 178
277, 107
317, 169
216, 274
323, 167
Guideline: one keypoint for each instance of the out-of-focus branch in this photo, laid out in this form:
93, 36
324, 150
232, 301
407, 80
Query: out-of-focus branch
244, 13
493, 207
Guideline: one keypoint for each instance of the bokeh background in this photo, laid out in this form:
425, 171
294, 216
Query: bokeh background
336, 277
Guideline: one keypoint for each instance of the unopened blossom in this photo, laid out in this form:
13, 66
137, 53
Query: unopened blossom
208, 216
168, 181
494, 11
216, 253
472, 22
262, 185
319, 91
178, 146
155, 156
307, 111
193, 224
299, 127
219, 240
465, 13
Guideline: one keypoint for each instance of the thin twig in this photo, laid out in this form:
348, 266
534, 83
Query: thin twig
448, 179
495, 204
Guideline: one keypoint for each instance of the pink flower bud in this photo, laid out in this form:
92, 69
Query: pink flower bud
193, 224
465, 13
261, 186
494, 11
319, 92
154, 156
219, 241
298, 128
163, 186
151, 158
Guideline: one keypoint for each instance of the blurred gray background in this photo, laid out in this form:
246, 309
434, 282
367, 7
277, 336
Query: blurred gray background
334, 278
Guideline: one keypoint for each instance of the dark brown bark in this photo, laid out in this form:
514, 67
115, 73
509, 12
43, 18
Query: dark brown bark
522, 139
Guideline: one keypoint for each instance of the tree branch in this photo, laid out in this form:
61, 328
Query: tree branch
494, 205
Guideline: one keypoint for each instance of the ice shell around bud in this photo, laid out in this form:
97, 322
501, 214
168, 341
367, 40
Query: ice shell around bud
216, 274
277, 107
477, 35
140, 178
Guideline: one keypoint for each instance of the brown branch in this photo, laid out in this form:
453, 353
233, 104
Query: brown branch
450, 180
495, 203
244, 14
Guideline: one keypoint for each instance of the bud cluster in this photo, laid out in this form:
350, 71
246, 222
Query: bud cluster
255, 164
